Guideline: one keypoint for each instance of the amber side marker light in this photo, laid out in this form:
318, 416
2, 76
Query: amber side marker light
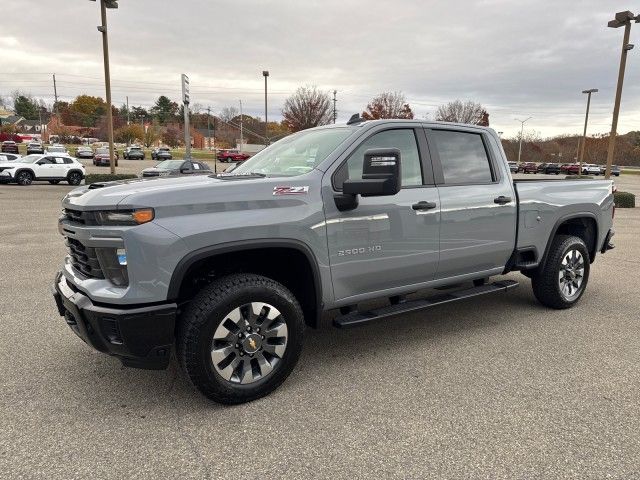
143, 215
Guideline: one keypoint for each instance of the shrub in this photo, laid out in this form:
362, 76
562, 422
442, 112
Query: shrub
106, 177
624, 200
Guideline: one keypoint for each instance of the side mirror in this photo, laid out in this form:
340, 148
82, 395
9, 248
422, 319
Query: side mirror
380, 177
186, 167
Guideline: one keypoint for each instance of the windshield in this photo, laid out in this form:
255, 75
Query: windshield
56, 149
169, 164
30, 159
296, 154
103, 150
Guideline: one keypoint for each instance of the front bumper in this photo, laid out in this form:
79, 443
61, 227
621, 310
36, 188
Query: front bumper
141, 337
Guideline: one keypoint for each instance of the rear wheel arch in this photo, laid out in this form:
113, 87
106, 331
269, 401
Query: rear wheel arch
287, 261
581, 225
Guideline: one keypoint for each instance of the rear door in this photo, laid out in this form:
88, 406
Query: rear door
478, 205
386, 242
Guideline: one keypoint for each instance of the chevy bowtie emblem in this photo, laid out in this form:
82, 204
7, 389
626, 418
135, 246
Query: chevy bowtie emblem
252, 342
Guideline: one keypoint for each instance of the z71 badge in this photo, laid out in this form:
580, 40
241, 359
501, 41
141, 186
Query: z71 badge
289, 190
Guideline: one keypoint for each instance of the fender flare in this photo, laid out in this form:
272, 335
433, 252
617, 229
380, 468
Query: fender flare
191, 258
23, 169
562, 220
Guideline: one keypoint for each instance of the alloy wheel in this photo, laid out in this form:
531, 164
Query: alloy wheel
571, 274
249, 343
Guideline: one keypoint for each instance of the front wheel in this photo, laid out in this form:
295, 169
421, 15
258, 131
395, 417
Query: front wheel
561, 281
24, 178
240, 338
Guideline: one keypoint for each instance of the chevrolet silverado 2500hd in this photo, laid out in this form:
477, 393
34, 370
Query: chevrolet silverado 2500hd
228, 269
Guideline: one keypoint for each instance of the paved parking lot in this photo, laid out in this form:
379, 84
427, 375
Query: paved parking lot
495, 387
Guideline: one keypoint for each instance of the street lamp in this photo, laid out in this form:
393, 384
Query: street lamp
265, 74
104, 4
586, 118
521, 130
622, 19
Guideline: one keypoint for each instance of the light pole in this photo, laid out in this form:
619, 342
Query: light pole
586, 119
521, 131
241, 131
622, 19
104, 4
265, 74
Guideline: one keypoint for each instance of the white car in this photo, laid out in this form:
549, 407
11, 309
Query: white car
51, 167
9, 157
57, 148
590, 169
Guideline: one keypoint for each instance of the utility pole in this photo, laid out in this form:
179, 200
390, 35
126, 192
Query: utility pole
621, 19
55, 95
185, 110
335, 112
209, 128
241, 133
586, 119
265, 74
128, 110
521, 131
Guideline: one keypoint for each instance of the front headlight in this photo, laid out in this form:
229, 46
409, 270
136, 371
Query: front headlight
125, 217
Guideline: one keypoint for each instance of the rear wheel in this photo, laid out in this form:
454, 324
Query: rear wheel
24, 178
561, 281
74, 178
240, 338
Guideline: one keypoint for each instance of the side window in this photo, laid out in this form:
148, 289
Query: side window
403, 139
59, 160
68, 161
45, 161
463, 157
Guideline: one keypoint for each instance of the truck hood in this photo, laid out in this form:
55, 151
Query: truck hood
159, 192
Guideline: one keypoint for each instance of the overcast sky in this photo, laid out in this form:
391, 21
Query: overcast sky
518, 58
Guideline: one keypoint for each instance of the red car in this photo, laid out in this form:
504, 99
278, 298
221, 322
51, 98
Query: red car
571, 169
101, 158
232, 156
529, 167
9, 147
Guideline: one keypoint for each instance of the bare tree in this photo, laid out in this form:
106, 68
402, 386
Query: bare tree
388, 105
228, 114
463, 112
308, 107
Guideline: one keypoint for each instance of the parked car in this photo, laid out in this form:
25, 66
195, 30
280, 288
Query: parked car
529, 167
101, 157
57, 148
231, 156
161, 153
513, 167
133, 153
54, 168
230, 269
9, 157
550, 169
615, 170
9, 146
176, 167
34, 147
590, 169
572, 169
84, 152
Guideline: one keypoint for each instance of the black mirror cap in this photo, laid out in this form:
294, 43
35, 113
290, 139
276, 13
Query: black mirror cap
380, 174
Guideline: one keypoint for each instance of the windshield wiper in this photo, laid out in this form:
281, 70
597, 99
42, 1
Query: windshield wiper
232, 175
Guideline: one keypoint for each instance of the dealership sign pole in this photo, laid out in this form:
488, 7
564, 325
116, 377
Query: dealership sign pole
185, 102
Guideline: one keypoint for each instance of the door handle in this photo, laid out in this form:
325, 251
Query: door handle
502, 200
424, 205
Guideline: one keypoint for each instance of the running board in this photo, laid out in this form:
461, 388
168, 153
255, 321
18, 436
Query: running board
354, 319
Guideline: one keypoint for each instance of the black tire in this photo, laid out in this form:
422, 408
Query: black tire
74, 178
209, 310
54, 182
24, 178
546, 279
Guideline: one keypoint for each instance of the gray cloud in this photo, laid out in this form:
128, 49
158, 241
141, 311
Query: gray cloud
526, 58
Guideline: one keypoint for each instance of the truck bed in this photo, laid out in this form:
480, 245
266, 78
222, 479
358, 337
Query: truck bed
544, 204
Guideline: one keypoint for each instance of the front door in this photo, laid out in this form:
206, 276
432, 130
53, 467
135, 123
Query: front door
386, 242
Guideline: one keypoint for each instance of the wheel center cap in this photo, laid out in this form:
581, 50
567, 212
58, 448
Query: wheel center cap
252, 343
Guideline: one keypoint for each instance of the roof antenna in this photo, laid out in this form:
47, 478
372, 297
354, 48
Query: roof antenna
355, 118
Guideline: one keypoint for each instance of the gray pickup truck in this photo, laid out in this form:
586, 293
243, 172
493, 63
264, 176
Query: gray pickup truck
230, 268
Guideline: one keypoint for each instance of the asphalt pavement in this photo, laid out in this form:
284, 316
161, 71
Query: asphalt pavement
493, 387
